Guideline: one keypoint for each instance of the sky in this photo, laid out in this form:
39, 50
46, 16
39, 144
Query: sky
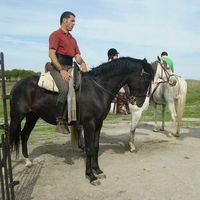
136, 28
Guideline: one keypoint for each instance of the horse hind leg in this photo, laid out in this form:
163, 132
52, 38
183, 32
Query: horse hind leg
31, 119
173, 118
156, 128
163, 117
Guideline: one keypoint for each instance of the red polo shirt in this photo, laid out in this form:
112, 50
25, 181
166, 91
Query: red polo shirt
63, 43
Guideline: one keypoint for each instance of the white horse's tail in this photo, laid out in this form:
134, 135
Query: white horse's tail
182, 91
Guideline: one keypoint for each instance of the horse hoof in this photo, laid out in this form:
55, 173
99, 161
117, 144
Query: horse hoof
170, 135
95, 182
155, 130
162, 129
134, 150
28, 163
177, 135
101, 176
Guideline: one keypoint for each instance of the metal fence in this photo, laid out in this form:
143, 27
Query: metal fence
6, 175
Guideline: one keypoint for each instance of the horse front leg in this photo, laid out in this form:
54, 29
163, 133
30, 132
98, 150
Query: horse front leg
135, 117
136, 113
89, 132
131, 143
133, 109
95, 163
81, 143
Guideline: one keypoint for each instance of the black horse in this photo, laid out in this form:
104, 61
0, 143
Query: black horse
98, 88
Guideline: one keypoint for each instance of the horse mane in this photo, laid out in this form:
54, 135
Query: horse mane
123, 64
154, 66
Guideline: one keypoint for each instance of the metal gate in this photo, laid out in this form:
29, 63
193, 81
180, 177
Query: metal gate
6, 175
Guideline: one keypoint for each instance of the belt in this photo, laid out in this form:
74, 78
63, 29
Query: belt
64, 59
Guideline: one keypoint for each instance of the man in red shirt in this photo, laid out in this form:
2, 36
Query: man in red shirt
62, 49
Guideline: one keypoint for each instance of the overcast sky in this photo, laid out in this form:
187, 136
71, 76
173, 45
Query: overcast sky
136, 28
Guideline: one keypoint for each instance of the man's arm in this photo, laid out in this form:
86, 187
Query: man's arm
80, 61
52, 54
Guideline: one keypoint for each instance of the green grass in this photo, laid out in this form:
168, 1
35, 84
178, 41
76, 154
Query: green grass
192, 108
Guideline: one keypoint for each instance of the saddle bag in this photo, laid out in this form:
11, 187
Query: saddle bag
47, 82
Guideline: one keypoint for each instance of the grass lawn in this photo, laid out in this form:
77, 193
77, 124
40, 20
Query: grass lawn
192, 109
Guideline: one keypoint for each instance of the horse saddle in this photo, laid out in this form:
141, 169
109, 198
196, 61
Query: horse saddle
47, 82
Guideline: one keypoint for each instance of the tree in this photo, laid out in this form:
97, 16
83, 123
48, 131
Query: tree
18, 73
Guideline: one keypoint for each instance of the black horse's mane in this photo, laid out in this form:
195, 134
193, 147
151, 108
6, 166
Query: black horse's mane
122, 64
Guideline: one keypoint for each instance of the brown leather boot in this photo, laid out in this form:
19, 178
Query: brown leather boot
61, 126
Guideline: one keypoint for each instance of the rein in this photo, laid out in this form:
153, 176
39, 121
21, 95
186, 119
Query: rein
109, 92
165, 70
166, 73
131, 99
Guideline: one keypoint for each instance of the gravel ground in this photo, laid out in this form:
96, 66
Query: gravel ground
163, 168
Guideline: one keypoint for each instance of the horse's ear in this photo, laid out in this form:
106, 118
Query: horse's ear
145, 60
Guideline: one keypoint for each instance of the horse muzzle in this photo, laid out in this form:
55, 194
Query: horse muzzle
172, 81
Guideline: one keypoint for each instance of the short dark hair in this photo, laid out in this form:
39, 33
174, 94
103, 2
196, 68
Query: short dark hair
112, 52
66, 15
164, 53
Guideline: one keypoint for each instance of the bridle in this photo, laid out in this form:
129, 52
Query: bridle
167, 74
131, 99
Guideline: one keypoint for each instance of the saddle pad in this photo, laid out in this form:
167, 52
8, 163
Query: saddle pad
47, 82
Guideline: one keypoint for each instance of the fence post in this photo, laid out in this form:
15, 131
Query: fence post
2, 177
6, 160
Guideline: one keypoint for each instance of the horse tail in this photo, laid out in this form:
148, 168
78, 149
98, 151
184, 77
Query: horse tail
182, 91
74, 136
14, 137
15, 123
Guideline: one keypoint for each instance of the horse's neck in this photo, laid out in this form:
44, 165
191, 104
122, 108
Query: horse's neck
112, 83
158, 74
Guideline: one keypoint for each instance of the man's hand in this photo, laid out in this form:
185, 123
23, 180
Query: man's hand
83, 67
65, 75
81, 62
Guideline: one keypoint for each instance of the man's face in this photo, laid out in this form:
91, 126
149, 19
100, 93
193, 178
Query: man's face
69, 23
115, 56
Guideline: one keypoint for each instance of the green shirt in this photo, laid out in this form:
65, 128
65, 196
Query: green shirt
170, 64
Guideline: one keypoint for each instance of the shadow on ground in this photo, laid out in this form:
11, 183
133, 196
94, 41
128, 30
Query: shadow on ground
28, 178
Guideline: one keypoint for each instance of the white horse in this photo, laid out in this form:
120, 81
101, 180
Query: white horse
167, 89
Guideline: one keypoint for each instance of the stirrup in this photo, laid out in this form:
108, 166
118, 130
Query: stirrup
62, 127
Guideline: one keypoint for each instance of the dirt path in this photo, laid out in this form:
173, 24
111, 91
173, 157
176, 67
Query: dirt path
164, 168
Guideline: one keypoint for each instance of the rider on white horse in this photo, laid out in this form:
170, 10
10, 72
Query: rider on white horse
169, 62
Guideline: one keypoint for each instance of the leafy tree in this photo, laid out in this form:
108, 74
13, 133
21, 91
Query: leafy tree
18, 73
